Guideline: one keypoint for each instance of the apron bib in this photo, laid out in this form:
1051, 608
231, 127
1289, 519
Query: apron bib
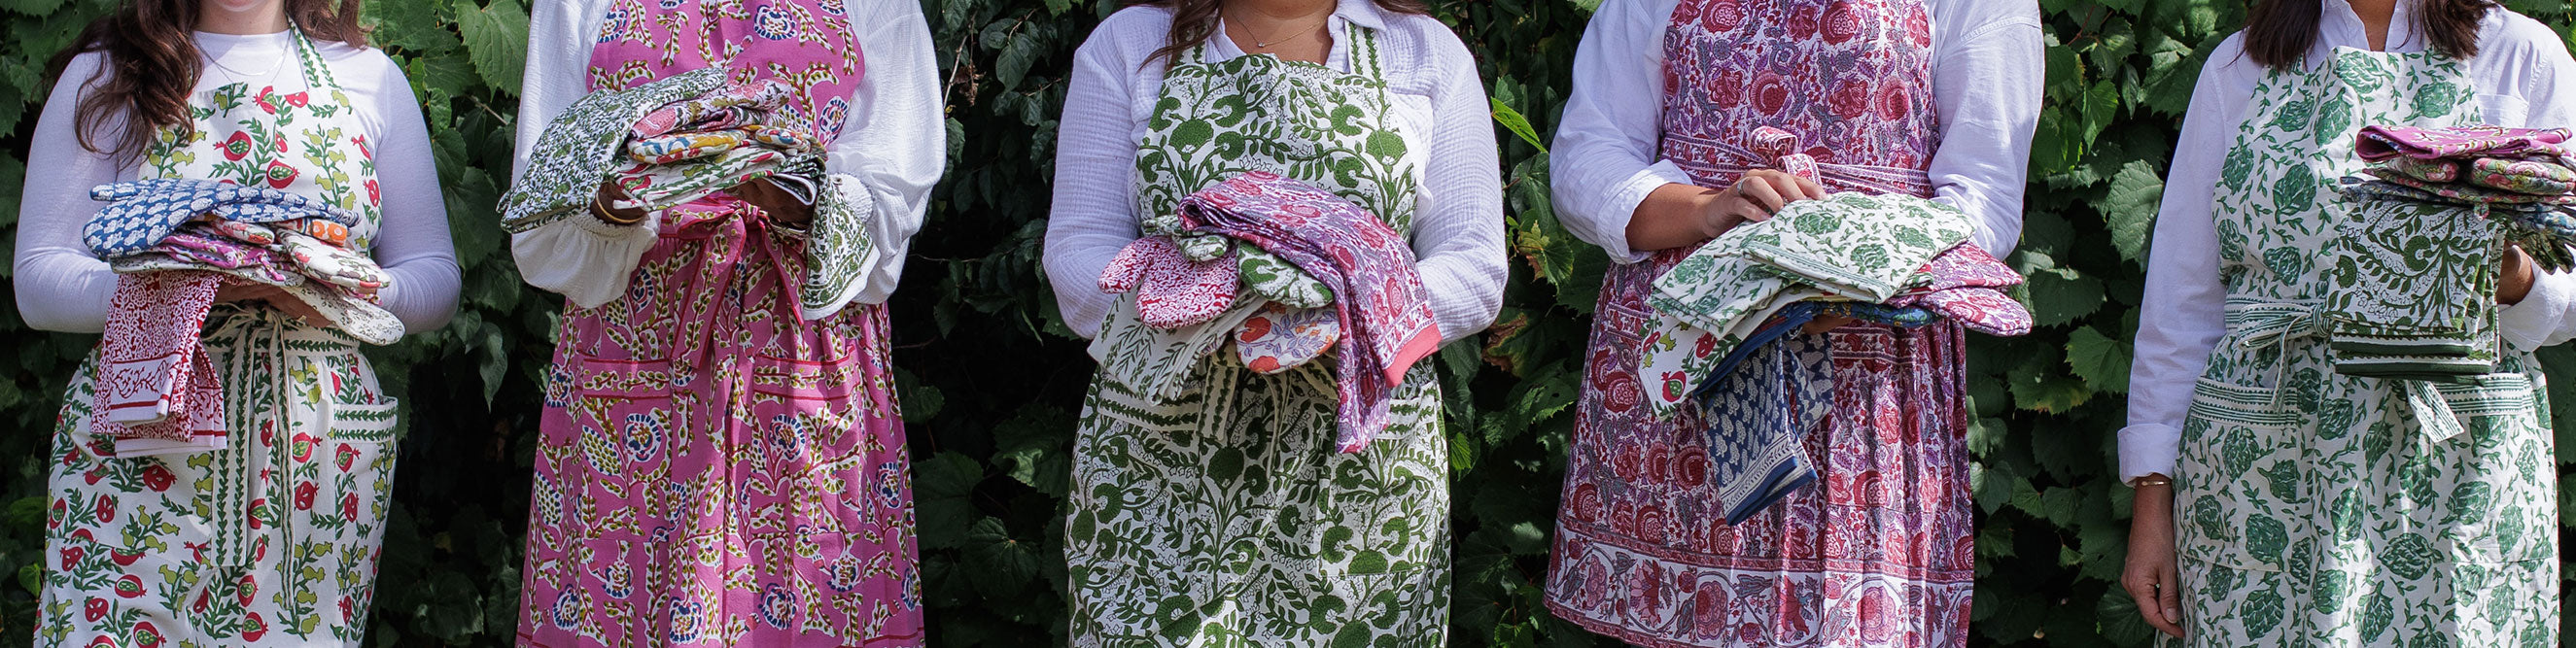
2315, 508
272, 540
1879, 551
714, 469
1224, 516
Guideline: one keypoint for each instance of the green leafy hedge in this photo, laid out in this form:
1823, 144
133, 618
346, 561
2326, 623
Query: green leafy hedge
992, 378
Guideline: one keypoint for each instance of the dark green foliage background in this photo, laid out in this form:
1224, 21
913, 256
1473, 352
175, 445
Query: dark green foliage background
994, 378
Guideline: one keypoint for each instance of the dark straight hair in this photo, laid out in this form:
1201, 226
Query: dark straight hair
1193, 21
152, 64
2278, 33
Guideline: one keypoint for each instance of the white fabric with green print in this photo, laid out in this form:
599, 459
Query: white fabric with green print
2320, 509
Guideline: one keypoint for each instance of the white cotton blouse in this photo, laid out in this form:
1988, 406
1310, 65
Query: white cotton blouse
63, 286
1988, 65
2524, 78
1440, 108
895, 144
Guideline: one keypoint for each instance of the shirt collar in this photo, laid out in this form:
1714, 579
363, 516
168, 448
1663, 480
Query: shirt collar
1363, 13
2339, 26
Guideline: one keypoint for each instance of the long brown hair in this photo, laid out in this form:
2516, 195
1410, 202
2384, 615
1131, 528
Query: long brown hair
2278, 33
1193, 21
152, 64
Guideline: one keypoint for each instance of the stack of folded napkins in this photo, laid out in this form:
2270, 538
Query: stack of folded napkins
1256, 260
174, 243
2414, 268
1724, 339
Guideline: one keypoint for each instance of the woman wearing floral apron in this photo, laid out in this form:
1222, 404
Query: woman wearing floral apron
1227, 515
2280, 503
1932, 98
272, 538
722, 461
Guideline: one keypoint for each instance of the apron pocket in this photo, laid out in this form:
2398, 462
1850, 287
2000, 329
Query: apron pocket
2493, 488
2240, 457
811, 473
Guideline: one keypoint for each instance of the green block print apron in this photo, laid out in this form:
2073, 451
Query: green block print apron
2320, 509
1222, 516
273, 540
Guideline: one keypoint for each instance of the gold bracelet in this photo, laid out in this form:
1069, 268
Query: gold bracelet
600, 210
2143, 482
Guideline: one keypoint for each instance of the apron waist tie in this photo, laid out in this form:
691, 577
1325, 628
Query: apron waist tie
2259, 324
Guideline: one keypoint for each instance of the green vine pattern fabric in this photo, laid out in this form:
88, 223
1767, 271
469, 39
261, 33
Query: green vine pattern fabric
1858, 245
2414, 291
2315, 508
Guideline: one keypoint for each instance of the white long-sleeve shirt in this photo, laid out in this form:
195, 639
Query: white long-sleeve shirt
63, 286
895, 144
1440, 108
1988, 65
2523, 76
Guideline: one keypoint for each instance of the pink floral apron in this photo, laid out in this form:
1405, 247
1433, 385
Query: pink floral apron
716, 471
1879, 551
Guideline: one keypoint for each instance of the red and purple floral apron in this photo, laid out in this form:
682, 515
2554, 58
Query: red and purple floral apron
1879, 552
716, 471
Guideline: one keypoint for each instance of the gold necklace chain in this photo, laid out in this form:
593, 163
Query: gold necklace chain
1264, 43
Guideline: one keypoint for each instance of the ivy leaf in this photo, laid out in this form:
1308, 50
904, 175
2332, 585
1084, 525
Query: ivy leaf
1517, 123
2129, 209
1037, 443
411, 26
1003, 564
2121, 622
2102, 362
1017, 56
32, 7
940, 489
496, 36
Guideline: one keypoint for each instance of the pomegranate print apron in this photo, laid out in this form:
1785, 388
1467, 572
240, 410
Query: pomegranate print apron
715, 470
273, 539
1879, 552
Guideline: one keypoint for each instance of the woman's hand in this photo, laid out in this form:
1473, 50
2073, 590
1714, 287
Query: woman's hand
2514, 281
783, 208
2151, 577
605, 206
1678, 215
275, 297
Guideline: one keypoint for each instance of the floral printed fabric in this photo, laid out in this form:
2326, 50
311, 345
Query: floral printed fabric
582, 146
2471, 193
1262, 273
1856, 245
153, 379
2538, 177
271, 540
2413, 291
1641, 551
1246, 483
2382, 142
1280, 337
2314, 507
1171, 290
1385, 313
718, 465
142, 212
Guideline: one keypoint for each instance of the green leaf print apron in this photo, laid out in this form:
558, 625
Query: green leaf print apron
2321, 509
1222, 516
272, 540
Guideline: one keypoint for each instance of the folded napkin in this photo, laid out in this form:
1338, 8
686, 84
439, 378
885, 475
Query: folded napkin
1263, 274
1280, 337
2413, 290
1385, 312
153, 380
2458, 192
2380, 143
583, 145
1153, 362
142, 212
1857, 245
2540, 177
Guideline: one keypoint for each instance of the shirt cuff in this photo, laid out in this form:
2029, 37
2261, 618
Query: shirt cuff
2530, 323
2148, 449
1621, 206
